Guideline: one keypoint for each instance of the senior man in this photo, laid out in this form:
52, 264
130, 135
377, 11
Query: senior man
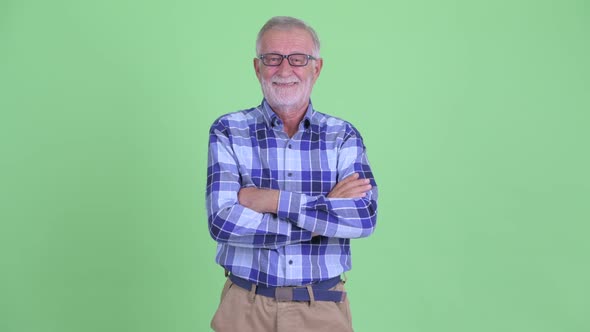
287, 189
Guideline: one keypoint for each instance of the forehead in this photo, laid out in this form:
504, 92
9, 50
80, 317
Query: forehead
286, 41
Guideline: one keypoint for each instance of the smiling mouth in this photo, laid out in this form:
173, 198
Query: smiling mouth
289, 84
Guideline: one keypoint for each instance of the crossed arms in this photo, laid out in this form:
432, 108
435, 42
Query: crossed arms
267, 200
268, 218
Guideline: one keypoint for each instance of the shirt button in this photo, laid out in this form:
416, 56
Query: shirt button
290, 262
289, 174
289, 146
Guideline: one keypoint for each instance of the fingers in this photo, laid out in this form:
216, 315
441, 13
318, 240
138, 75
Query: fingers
350, 178
351, 187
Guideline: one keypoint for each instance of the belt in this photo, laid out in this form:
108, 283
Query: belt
321, 290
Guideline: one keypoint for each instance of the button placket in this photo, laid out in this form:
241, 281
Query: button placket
290, 160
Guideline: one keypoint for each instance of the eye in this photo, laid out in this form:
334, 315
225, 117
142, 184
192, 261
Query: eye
274, 58
297, 60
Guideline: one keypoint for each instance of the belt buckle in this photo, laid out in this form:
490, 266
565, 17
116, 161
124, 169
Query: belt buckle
284, 294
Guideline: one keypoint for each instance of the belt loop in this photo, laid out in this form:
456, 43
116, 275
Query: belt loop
311, 297
252, 293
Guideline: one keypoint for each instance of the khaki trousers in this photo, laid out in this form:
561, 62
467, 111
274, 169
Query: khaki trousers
242, 311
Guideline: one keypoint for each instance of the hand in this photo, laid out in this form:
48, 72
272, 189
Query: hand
259, 200
351, 187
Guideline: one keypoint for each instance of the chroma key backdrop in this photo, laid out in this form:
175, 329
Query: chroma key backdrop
475, 115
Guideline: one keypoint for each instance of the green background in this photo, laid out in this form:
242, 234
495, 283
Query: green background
475, 115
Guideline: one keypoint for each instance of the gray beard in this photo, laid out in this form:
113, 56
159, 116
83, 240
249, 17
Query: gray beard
286, 100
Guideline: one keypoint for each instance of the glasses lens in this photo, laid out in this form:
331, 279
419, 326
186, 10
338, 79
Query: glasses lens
272, 59
298, 60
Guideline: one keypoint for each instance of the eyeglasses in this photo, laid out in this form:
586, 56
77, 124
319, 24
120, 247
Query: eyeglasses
295, 59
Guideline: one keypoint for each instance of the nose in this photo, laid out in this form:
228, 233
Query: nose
284, 68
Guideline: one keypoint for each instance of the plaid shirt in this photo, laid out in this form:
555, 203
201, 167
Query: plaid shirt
249, 148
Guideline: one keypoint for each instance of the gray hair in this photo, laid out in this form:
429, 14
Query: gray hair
288, 23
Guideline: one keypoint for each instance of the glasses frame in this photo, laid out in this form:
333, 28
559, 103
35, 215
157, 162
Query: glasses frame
288, 57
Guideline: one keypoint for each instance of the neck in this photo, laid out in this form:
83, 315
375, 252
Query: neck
291, 117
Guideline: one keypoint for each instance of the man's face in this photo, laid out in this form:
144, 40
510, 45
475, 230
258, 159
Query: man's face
285, 86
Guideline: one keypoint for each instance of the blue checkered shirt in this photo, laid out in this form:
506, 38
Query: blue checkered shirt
250, 149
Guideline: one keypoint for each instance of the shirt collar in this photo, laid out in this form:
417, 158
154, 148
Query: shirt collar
271, 119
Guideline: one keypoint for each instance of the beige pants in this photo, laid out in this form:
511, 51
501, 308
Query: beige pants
238, 313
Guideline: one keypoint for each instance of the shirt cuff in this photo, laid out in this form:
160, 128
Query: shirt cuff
290, 205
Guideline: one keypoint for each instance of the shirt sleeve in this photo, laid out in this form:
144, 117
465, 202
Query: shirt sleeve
337, 217
230, 222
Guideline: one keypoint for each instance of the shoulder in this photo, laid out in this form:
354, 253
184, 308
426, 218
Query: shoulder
238, 119
332, 124
239, 116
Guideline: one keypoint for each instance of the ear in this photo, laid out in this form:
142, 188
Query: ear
257, 68
317, 68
